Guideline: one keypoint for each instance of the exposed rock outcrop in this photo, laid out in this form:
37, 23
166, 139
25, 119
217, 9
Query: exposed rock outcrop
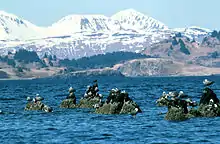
118, 102
89, 102
70, 101
91, 97
163, 67
207, 95
37, 104
178, 109
91, 72
176, 114
209, 104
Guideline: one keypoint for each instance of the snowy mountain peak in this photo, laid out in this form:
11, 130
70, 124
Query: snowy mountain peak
75, 36
9, 15
132, 19
14, 27
84, 23
128, 12
78, 18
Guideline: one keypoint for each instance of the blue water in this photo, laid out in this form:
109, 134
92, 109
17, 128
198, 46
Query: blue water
83, 126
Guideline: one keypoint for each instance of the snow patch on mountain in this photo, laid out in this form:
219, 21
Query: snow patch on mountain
75, 36
193, 32
84, 23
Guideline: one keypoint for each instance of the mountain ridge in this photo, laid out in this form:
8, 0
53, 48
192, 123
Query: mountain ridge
124, 20
76, 36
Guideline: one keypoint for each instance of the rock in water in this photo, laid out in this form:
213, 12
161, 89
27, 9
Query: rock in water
118, 103
207, 95
47, 108
162, 101
68, 103
34, 105
176, 114
209, 110
37, 105
209, 104
89, 102
91, 97
178, 109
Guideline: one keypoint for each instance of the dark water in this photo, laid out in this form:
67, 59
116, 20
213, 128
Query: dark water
83, 126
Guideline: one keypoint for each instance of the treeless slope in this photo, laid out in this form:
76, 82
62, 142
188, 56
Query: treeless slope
163, 67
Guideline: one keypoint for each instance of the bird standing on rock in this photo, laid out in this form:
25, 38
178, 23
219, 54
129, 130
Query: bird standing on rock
38, 98
71, 89
207, 82
182, 95
29, 99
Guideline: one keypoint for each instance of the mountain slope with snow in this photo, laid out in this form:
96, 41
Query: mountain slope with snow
75, 36
84, 23
131, 19
13, 27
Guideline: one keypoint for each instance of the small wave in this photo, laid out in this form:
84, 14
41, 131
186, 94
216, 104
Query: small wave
51, 129
9, 99
108, 135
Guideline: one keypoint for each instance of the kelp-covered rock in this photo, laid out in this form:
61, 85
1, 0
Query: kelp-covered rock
70, 101
207, 95
34, 106
89, 102
165, 99
91, 97
209, 104
209, 110
178, 109
162, 101
176, 114
118, 103
38, 106
194, 113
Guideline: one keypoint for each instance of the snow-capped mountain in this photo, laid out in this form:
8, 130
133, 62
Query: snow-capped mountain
193, 32
75, 36
131, 19
84, 23
14, 27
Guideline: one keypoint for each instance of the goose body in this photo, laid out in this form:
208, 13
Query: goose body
29, 99
39, 98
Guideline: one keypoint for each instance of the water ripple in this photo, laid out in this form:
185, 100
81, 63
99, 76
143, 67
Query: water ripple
83, 126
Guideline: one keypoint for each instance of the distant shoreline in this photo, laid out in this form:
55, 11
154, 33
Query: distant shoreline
17, 79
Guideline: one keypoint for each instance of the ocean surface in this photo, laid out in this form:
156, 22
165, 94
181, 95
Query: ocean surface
84, 126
